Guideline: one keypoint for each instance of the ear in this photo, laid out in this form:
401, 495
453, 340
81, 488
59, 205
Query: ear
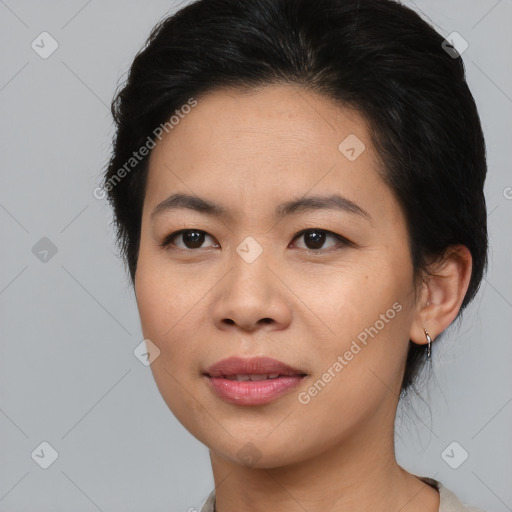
444, 285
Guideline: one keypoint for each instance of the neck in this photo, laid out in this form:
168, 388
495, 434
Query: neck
339, 478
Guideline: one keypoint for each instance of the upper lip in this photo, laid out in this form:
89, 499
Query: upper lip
250, 366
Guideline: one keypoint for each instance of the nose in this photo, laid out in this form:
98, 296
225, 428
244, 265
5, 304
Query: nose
251, 297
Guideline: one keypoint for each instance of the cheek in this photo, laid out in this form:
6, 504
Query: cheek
149, 302
160, 311
350, 298
171, 312
166, 319
162, 296
359, 368
368, 310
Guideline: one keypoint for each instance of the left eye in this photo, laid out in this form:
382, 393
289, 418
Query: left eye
315, 238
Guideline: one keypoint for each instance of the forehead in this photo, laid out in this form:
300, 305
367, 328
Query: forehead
266, 145
271, 115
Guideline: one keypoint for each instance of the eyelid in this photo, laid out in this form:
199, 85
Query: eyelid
341, 240
166, 243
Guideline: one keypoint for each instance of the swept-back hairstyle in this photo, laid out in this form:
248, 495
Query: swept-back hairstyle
376, 56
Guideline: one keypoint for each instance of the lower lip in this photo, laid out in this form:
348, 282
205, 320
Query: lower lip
248, 392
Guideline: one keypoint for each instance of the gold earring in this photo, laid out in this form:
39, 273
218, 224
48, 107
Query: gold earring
429, 339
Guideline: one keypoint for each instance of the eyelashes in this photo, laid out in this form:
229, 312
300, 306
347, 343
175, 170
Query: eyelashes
196, 237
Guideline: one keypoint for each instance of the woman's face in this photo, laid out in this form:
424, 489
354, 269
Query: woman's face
246, 283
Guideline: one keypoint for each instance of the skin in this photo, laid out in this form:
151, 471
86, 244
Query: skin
250, 151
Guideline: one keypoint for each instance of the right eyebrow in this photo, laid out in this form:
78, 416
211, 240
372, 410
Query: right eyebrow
198, 204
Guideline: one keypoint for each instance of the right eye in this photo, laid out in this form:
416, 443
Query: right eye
190, 238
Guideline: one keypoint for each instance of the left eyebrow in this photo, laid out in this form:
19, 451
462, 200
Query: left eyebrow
296, 206
311, 203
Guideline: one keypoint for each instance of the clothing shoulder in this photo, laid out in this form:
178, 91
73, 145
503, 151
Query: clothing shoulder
448, 501
209, 504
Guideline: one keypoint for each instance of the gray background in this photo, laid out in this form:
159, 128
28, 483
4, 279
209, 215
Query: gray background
68, 375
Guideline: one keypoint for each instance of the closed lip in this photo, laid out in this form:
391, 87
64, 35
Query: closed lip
251, 366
